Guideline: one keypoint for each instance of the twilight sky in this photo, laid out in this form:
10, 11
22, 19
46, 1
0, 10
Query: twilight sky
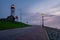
31, 10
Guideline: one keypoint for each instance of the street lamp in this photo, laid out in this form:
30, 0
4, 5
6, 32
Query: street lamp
42, 19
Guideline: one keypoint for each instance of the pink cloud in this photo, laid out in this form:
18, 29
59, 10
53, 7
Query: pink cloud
53, 22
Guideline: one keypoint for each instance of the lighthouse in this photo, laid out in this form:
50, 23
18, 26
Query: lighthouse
12, 16
12, 10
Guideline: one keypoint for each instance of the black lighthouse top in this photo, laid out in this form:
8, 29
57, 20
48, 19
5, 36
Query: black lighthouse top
12, 6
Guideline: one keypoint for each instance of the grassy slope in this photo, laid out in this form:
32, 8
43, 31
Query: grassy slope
10, 25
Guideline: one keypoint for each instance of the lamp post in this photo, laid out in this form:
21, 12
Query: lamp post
27, 19
42, 19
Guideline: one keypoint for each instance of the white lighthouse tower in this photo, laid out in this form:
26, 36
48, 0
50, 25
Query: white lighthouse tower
12, 10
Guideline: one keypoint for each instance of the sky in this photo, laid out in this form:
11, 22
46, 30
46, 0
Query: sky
30, 10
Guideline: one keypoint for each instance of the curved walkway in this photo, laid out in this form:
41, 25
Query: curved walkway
34, 32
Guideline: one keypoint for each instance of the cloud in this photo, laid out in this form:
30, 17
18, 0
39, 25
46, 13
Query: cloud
48, 7
50, 21
54, 11
53, 22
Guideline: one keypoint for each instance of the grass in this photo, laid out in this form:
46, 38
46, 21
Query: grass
10, 25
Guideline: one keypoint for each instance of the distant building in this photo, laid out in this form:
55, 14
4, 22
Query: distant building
3, 19
16, 17
10, 18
